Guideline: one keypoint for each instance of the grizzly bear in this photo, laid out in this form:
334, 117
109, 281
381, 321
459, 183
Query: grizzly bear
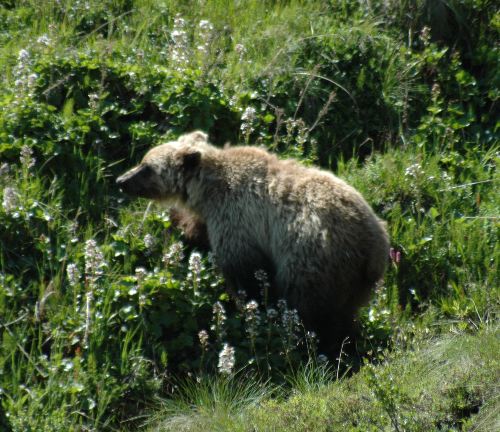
319, 242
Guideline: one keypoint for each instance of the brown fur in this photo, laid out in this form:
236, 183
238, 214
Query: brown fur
316, 237
192, 227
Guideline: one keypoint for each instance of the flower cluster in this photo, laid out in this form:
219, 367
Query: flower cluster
24, 78
414, 171
252, 319
179, 50
195, 267
219, 320
174, 255
226, 360
263, 281
247, 122
203, 338
149, 243
10, 201
206, 35
94, 261
240, 50
44, 40
73, 274
26, 157
290, 323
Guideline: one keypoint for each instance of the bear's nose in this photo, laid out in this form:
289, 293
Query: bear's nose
125, 181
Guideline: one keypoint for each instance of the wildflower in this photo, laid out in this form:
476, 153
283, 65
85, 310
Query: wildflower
195, 264
203, 337
272, 314
226, 360
290, 320
290, 323
264, 284
312, 341
205, 34
149, 242
140, 274
44, 40
23, 56
414, 170
180, 43
31, 79
248, 115
4, 169
10, 200
218, 319
322, 359
94, 261
261, 276
26, 157
174, 255
252, 318
248, 118
73, 274
195, 267
205, 25
240, 50
425, 35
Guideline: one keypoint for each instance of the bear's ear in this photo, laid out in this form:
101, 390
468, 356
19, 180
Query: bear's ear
188, 159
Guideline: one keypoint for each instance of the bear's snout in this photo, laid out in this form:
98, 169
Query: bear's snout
137, 182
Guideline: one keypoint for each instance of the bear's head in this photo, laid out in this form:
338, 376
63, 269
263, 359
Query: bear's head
165, 170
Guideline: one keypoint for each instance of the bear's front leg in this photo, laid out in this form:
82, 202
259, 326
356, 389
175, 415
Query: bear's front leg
193, 228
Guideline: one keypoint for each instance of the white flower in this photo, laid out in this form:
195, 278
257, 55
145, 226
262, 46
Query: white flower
240, 49
414, 170
32, 79
272, 313
23, 56
247, 118
252, 318
249, 114
206, 25
203, 337
10, 200
218, 319
195, 264
322, 359
26, 157
140, 273
73, 274
174, 255
44, 40
4, 169
226, 360
94, 260
149, 241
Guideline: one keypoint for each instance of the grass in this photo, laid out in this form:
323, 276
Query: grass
435, 385
101, 304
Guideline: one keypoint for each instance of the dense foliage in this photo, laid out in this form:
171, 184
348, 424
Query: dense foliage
103, 308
